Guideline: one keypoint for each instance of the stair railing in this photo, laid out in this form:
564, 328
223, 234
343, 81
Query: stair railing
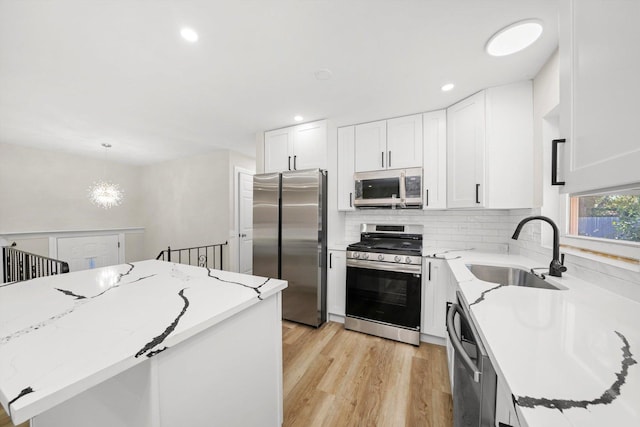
210, 256
18, 265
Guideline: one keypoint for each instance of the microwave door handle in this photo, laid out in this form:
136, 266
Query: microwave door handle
403, 188
457, 344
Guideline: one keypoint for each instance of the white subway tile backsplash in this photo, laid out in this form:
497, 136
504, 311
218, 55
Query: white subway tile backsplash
491, 230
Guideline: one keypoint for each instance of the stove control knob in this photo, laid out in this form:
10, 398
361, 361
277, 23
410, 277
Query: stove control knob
397, 258
356, 255
408, 260
380, 257
365, 256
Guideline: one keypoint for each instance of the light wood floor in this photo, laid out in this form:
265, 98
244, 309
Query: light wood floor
5, 421
334, 377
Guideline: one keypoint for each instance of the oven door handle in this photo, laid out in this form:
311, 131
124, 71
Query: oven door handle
457, 344
385, 266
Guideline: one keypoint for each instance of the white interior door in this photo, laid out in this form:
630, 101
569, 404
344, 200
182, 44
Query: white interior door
83, 253
245, 223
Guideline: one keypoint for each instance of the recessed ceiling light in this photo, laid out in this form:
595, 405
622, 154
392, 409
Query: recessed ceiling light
323, 74
514, 37
447, 87
189, 35
298, 118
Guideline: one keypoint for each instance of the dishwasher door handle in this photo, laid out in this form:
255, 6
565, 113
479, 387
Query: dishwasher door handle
457, 344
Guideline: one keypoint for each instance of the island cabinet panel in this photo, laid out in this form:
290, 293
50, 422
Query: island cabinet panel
599, 69
296, 148
229, 375
346, 168
148, 343
490, 149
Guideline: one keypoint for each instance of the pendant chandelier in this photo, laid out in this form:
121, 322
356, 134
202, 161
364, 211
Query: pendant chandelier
104, 193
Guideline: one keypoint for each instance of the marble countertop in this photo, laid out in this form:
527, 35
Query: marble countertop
569, 357
60, 335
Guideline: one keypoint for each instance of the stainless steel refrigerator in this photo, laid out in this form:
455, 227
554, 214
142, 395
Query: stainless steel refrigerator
290, 239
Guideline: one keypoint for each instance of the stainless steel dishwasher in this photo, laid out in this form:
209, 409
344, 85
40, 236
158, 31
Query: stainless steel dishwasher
474, 378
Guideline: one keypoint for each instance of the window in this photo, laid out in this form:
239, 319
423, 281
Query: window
613, 215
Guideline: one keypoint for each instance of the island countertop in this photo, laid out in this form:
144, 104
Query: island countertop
569, 357
61, 335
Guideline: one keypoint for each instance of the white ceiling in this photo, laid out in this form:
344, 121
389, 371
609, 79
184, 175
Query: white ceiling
75, 74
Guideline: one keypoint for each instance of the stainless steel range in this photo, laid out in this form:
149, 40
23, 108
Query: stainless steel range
384, 282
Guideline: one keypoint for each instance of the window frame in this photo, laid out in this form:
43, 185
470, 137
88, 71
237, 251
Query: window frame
620, 253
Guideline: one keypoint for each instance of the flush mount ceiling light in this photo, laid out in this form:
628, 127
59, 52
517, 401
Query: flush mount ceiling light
189, 35
298, 118
323, 74
514, 37
447, 87
103, 193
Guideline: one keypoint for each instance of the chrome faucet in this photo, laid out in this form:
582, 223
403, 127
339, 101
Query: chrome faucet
555, 268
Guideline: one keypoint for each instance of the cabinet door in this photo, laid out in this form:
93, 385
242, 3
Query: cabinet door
277, 154
371, 146
404, 142
435, 160
346, 167
434, 298
310, 146
337, 282
599, 93
465, 152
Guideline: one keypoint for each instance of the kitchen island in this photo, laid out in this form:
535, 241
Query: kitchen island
149, 343
565, 357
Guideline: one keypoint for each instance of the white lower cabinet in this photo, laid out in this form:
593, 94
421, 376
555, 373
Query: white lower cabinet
435, 281
337, 282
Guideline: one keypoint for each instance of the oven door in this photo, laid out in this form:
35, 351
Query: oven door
384, 292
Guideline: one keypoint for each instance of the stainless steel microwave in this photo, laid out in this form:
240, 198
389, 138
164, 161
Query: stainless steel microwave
391, 188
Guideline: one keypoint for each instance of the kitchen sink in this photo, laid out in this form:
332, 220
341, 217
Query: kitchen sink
509, 276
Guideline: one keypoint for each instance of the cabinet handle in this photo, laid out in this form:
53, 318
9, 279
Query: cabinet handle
289, 162
477, 193
295, 168
389, 159
429, 270
554, 162
330, 260
382, 159
426, 196
350, 200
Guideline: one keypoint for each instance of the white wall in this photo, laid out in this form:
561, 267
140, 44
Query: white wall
44, 190
181, 203
535, 241
189, 201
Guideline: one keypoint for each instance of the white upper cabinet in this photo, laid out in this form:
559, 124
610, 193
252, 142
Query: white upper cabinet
277, 150
435, 160
371, 145
599, 93
465, 152
389, 144
346, 167
296, 148
404, 142
490, 149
